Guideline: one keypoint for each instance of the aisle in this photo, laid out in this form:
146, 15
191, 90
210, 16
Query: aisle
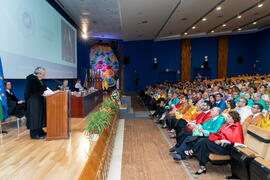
145, 153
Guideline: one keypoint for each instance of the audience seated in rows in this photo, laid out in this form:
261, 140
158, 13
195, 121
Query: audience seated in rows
197, 120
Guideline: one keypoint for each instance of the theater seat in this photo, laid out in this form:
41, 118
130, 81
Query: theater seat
257, 146
256, 140
219, 159
260, 167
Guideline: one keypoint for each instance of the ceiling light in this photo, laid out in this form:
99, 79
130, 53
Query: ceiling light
239, 16
194, 27
260, 5
84, 36
218, 8
212, 31
204, 19
239, 29
254, 23
223, 25
185, 33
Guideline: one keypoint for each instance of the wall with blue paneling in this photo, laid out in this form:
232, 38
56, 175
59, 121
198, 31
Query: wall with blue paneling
263, 49
202, 47
142, 54
241, 46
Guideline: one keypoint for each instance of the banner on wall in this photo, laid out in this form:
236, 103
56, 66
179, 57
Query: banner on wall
103, 61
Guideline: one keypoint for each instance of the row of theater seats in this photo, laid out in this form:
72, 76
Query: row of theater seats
252, 162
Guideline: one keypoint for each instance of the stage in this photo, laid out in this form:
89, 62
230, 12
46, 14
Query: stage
24, 159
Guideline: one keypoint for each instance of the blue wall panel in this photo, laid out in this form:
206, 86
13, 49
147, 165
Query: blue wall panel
202, 47
142, 54
241, 46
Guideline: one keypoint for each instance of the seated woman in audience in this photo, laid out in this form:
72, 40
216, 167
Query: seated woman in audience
252, 90
217, 143
230, 107
212, 99
265, 123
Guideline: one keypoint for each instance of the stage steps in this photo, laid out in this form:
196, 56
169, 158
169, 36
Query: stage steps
127, 112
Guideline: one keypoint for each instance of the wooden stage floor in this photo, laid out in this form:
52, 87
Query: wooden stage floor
24, 159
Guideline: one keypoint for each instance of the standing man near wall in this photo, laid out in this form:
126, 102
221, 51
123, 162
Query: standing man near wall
36, 105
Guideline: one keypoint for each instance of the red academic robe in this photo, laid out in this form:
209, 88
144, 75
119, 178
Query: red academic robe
201, 118
234, 133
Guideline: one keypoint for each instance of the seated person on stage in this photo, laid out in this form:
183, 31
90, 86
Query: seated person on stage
218, 143
200, 131
78, 86
265, 122
16, 107
64, 86
254, 118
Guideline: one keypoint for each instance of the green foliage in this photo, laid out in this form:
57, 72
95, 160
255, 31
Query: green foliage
111, 105
98, 121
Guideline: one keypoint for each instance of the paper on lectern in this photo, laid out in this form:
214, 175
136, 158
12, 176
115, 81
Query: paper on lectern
48, 92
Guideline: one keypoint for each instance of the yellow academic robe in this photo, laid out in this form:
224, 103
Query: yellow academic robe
265, 122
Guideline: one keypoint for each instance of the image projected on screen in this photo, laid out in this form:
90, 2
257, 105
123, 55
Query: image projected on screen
68, 43
32, 34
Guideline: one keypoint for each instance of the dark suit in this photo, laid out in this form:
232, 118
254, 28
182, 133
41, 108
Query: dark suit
221, 105
36, 104
14, 108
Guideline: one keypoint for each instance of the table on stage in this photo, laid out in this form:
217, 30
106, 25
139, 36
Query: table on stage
81, 105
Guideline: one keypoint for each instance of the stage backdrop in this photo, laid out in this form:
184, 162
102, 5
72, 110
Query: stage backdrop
103, 59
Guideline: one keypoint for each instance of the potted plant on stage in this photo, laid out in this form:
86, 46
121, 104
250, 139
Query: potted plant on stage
97, 122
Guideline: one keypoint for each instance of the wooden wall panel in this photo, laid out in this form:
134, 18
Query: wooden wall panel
222, 56
186, 60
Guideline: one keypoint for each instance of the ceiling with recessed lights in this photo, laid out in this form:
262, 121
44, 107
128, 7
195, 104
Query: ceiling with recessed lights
132, 20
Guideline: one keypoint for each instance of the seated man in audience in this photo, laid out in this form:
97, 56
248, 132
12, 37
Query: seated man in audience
254, 118
257, 99
248, 98
184, 129
243, 109
205, 97
220, 102
16, 107
236, 96
199, 131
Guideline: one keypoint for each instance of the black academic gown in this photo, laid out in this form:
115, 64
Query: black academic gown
14, 108
35, 102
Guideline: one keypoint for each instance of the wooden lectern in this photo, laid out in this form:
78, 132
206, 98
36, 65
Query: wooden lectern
57, 116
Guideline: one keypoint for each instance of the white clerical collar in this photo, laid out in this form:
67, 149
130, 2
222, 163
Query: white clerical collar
205, 112
255, 115
215, 118
37, 77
